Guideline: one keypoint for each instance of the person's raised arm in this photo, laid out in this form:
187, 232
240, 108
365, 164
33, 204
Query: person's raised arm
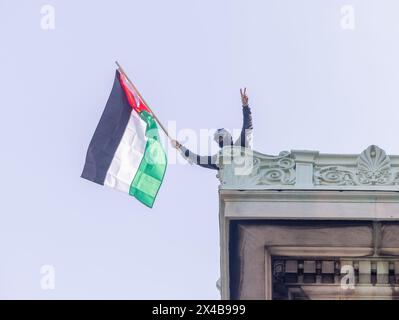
247, 118
203, 161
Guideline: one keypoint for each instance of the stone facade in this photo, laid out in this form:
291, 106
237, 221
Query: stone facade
305, 225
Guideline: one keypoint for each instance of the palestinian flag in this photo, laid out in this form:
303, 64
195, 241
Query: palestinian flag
125, 152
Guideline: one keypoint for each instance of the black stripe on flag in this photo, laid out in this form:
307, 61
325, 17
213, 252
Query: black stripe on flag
108, 135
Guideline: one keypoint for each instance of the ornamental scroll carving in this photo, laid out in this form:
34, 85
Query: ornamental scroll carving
373, 168
245, 168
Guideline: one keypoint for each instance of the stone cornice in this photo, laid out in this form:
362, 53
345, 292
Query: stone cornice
244, 169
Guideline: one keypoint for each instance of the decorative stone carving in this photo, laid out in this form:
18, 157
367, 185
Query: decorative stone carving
241, 168
247, 169
373, 168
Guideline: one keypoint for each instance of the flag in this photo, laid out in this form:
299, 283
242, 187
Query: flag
125, 152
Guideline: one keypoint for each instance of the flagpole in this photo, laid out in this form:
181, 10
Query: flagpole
138, 93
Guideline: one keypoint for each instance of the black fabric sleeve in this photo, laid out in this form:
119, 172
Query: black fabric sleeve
247, 124
202, 161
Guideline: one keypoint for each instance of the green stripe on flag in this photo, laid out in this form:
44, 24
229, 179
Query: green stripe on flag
149, 176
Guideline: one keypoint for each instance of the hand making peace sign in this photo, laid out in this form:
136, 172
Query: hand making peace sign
244, 97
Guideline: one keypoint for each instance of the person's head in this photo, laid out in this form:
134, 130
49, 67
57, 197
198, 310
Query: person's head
223, 137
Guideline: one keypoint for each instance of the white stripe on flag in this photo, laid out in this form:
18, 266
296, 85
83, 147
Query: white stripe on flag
128, 155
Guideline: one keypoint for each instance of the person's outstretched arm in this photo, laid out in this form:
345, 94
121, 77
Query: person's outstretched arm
247, 120
208, 162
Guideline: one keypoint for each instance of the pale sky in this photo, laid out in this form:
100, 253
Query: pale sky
315, 82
